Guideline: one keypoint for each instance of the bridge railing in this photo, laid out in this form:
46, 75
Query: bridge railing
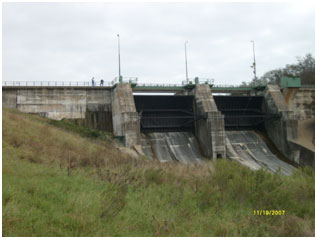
159, 85
196, 80
54, 83
230, 86
131, 80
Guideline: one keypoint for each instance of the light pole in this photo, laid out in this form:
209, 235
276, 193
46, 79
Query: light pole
119, 56
186, 63
254, 64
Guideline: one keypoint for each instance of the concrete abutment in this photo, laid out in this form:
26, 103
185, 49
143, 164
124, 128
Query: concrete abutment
283, 131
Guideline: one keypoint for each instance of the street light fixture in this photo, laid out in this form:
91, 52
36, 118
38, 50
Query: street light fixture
119, 56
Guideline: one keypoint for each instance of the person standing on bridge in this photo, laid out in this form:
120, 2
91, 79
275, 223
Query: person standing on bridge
101, 82
92, 81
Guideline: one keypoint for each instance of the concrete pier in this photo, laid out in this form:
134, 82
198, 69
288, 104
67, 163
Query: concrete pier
209, 128
124, 115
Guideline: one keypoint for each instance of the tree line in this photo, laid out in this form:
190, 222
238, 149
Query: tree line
304, 69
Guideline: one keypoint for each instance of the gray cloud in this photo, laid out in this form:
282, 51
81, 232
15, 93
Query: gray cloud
75, 41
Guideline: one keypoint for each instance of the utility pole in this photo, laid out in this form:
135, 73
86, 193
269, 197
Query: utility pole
119, 56
186, 63
254, 64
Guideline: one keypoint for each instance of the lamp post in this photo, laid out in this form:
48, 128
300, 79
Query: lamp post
186, 63
119, 56
254, 64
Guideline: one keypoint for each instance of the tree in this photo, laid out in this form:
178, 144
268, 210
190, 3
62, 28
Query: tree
306, 68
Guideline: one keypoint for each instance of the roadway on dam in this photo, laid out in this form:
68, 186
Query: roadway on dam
244, 146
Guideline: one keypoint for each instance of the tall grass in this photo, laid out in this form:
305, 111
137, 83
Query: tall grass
58, 181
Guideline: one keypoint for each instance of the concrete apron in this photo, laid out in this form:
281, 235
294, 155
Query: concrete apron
248, 148
171, 146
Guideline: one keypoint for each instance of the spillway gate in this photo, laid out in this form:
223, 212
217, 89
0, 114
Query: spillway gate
243, 112
165, 113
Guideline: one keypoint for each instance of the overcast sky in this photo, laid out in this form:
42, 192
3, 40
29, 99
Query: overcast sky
75, 41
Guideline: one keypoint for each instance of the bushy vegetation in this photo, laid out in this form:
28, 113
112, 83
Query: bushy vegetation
83, 131
57, 183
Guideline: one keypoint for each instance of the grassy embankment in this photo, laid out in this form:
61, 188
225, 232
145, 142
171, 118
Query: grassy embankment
64, 180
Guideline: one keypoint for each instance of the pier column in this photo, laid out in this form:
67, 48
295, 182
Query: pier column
209, 126
125, 118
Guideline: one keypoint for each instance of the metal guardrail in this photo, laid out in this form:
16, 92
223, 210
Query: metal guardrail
54, 83
133, 80
159, 85
232, 86
192, 81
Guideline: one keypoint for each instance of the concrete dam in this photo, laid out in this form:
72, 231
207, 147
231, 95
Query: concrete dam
191, 125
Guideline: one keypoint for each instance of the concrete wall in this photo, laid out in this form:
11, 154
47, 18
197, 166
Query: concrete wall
99, 111
101, 120
52, 102
301, 101
9, 98
209, 129
57, 102
125, 118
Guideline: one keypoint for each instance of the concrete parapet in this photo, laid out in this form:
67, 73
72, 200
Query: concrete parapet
209, 126
125, 118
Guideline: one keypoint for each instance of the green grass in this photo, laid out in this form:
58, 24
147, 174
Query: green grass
58, 183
